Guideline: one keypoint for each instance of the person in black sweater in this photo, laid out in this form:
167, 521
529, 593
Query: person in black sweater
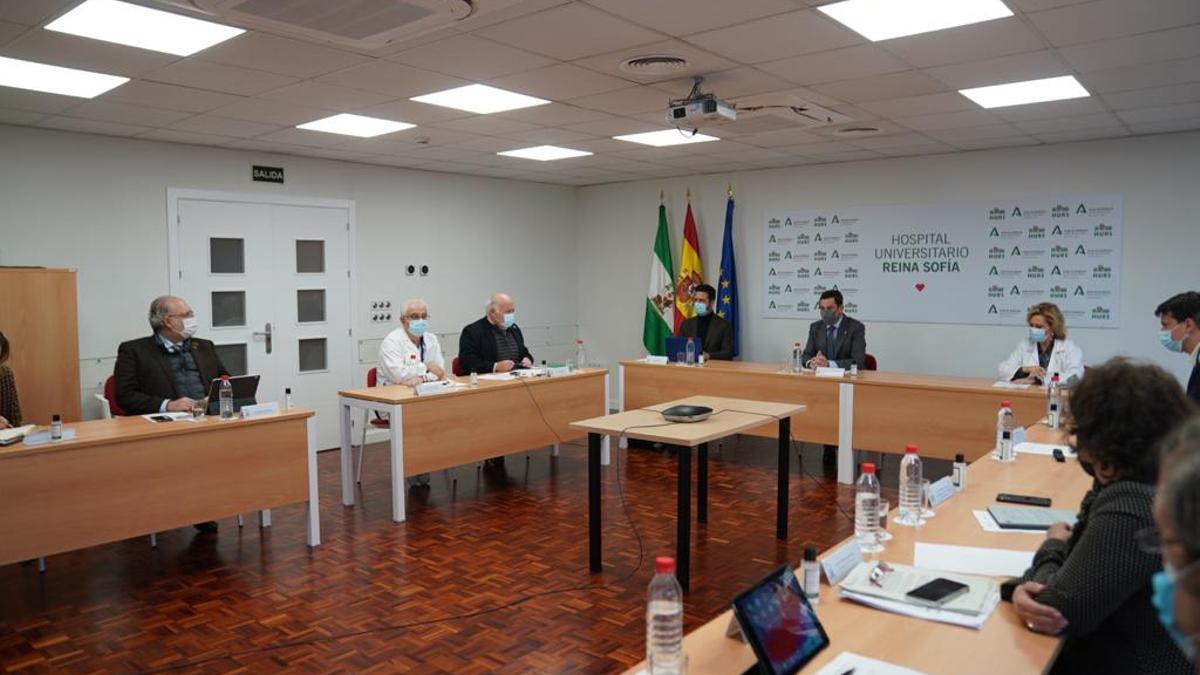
494, 344
1179, 331
1091, 581
715, 333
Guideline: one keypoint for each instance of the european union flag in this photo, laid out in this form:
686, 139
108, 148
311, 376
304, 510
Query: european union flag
727, 296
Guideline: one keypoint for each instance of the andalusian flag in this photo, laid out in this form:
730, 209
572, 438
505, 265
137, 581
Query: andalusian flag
690, 272
660, 298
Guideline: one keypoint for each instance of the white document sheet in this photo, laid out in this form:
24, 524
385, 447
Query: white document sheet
498, 376
989, 525
988, 562
862, 665
1010, 385
975, 621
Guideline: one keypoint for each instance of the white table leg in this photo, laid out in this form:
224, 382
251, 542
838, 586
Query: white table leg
264, 518
314, 502
347, 457
622, 442
397, 444
554, 449
845, 473
606, 442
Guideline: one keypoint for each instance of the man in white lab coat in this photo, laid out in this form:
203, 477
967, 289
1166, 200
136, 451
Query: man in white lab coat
411, 355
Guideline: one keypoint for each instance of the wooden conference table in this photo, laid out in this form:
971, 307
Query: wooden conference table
731, 416
878, 411
465, 425
1003, 646
127, 477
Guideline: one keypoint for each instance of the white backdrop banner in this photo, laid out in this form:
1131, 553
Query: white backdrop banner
982, 263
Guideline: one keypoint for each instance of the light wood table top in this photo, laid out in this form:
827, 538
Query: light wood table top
1003, 646
881, 378
399, 393
730, 416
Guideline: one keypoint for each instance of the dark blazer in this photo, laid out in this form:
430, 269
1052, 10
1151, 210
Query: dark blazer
851, 343
1100, 580
477, 347
718, 341
1193, 389
143, 376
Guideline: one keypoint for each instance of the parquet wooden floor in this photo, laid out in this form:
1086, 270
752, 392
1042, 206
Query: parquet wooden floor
378, 597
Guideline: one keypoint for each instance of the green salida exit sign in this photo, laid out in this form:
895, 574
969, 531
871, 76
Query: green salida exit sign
267, 174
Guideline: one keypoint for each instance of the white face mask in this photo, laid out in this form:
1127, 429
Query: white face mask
189, 328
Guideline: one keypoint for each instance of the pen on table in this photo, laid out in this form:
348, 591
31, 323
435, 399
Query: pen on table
847, 672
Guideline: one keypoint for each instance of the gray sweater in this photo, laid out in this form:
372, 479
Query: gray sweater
1100, 580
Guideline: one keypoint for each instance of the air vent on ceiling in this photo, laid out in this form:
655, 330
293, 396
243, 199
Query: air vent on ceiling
654, 64
365, 25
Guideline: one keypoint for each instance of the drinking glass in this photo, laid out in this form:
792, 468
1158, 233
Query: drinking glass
680, 359
199, 407
884, 509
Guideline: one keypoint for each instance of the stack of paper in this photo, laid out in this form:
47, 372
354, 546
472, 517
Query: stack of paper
849, 662
889, 592
1029, 448
15, 434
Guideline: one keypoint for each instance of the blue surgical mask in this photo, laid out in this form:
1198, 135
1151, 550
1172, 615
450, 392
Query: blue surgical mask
1037, 334
510, 319
418, 326
701, 308
1163, 599
1172, 345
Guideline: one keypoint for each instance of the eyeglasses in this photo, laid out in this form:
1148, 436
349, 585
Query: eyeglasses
416, 317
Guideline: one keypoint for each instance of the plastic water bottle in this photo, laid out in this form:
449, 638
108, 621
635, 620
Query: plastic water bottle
1006, 424
691, 351
580, 356
911, 486
1053, 403
226, 395
797, 358
664, 620
866, 510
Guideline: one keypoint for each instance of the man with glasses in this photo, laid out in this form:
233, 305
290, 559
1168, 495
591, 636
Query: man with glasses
411, 355
169, 370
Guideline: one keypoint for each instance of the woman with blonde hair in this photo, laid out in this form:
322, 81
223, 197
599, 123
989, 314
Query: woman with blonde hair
1045, 351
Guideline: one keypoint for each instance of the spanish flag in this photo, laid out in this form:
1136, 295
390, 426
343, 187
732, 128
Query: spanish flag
691, 273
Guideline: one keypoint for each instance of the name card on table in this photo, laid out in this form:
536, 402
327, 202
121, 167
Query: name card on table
940, 490
435, 387
831, 372
656, 360
249, 412
839, 563
558, 371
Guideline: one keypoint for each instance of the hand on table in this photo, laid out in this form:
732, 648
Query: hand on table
1037, 617
4, 423
438, 371
503, 366
180, 405
819, 361
1034, 371
1060, 531
526, 362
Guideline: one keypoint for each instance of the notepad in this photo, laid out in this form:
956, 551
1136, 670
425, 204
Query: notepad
1029, 517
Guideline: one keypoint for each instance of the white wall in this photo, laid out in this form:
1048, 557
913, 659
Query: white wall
98, 204
1158, 175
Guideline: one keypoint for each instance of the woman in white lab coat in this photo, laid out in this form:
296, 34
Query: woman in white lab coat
1045, 351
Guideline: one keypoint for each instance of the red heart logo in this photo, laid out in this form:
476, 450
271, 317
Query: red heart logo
920, 287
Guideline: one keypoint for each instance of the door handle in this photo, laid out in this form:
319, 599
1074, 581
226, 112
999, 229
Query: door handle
266, 333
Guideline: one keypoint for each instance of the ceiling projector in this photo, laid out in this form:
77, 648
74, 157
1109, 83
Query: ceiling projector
703, 110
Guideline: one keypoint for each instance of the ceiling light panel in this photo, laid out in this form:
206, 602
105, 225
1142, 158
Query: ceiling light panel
56, 79
666, 137
544, 153
355, 125
1030, 91
142, 27
886, 19
480, 99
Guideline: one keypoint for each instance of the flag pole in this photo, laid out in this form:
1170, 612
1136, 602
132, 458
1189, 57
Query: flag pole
731, 191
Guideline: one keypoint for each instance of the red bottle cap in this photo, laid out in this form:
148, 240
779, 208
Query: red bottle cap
910, 449
1055, 378
664, 565
1005, 404
868, 467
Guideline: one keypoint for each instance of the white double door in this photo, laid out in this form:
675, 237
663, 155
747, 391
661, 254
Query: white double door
270, 285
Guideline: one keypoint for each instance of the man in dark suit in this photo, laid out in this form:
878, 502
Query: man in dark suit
836, 340
1179, 323
168, 370
716, 336
494, 344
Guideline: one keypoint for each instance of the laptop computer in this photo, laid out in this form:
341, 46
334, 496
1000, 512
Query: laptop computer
678, 345
245, 388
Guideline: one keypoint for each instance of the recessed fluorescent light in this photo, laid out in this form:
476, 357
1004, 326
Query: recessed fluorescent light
137, 26
480, 98
544, 153
355, 125
886, 19
1031, 91
56, 79
666, 137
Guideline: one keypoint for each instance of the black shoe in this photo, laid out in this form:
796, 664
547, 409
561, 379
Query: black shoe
206, 528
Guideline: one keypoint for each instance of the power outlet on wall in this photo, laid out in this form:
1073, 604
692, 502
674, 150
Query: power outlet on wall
380, 311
